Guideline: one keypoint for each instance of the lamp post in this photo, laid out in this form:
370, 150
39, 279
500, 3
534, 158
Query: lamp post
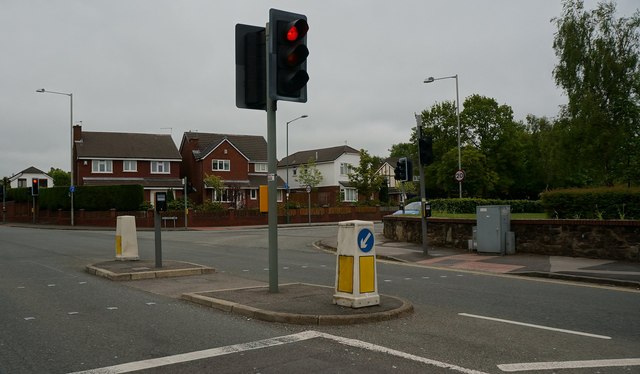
286, 206
432, 79
71, 184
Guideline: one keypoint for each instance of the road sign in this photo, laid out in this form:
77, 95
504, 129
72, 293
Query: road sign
459, 175
308, 189
72, 189
365, 240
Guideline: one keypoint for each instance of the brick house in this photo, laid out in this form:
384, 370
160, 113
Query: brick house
334, 163
239, 160
113, 158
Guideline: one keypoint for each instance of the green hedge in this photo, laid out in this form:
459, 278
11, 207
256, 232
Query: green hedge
93, 198
593, 203
468, 205
19, 195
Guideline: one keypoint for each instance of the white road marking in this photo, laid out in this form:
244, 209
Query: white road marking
73, 313
29, 318
569, 364
536, 326
51, 285
112, 308
266, 343
151, 303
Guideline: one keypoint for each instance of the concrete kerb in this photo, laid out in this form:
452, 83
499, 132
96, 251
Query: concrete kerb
187, 270
404, 309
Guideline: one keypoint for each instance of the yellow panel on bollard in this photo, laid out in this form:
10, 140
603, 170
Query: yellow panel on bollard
126, 238
356, 274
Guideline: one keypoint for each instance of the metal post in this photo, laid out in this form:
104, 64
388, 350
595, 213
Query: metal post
423, 194
286, 207
272, 181
186, 207
309, 205
158, 238
33, 208
71, 189
459, 154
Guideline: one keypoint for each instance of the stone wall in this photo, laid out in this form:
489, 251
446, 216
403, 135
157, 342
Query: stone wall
610, 239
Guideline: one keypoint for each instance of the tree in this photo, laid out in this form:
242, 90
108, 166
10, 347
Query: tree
599, 70
214, 182
308, 174
365, 177
60, 177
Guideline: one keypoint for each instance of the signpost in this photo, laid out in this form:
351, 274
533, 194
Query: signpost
309, 202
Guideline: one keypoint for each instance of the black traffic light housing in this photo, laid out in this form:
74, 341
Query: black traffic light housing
425, 148
35, 187
404, 170
251, 69
288, 75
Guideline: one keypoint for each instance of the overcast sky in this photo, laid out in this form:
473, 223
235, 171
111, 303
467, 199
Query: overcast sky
159, 66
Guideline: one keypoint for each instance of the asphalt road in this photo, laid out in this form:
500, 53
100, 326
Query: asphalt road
55, 318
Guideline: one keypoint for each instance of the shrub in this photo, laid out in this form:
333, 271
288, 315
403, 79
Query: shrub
593, 203
468, 205
92, 198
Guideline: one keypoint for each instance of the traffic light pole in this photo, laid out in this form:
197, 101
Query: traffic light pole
423, 197
272, 180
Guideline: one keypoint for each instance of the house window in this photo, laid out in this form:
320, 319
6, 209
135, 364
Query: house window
160, 167
22, 182
254, 194
129, 165
220, 165
102, 166
295, 172
345, 168
260, 167
349, 195
43, 183
280, 195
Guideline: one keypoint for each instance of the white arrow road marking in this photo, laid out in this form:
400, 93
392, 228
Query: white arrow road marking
266, 343
535, 326
569, 364
363, 242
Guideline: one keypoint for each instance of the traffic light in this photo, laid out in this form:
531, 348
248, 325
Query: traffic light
288, 56
425, 146
251, 75
34, 187
404, 170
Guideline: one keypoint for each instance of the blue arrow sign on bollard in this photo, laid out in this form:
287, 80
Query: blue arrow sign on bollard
365, 240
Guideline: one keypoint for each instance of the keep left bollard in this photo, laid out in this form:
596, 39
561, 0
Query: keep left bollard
356, 275
126, 238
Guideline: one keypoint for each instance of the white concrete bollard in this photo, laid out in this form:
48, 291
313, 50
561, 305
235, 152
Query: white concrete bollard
356, 275
126, 238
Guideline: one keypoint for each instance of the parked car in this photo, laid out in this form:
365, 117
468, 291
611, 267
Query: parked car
411, 209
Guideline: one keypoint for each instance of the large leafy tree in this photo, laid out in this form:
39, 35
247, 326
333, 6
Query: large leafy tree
365, 177
599, 70
60, 177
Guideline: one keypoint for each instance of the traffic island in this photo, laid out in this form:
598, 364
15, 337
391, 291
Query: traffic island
298, 303
138, 270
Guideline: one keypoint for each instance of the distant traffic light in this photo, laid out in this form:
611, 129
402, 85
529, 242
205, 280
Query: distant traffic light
288, 75
34, 187
251, 75
404, 170
425, 146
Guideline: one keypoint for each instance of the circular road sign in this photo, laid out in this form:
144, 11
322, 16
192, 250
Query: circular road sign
308, 189
459, 175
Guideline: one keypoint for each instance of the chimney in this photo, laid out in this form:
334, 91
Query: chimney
77, 133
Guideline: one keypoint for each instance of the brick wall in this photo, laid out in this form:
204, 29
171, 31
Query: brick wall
610, 239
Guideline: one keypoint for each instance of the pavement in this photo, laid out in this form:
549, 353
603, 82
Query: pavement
309, 304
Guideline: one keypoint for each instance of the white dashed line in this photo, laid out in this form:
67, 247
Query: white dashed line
29, 318
73, 313
112, 308
569, 365
536, 326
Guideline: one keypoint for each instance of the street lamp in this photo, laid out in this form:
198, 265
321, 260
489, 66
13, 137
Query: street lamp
286, 207
71, 187
431, 80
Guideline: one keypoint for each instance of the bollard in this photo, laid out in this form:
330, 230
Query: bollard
356, 276
126, 238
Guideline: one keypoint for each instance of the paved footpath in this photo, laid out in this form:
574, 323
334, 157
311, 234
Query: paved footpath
617, 273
